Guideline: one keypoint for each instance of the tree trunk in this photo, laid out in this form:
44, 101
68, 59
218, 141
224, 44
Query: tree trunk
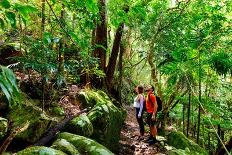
219, 134
62, 45
43, 18
101, 36
189, 107
209, 140
183, 118
42, 48
114, 55
120, 69
199, 107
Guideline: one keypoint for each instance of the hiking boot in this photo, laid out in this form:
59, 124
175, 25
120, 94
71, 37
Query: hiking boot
152, 141
149, 138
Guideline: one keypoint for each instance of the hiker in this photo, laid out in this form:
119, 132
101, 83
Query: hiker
138, 105
151, 107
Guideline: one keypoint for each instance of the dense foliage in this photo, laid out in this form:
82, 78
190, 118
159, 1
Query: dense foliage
181, 47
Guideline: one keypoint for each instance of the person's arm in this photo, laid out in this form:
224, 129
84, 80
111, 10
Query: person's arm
141, 99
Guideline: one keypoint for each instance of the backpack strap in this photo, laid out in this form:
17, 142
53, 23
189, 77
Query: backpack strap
150, 99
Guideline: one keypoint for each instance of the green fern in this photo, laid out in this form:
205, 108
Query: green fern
9, 86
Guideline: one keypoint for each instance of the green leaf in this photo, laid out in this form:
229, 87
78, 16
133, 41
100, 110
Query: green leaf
25, 10
5, 4
1, 23
9, 86
12, 18
53, 1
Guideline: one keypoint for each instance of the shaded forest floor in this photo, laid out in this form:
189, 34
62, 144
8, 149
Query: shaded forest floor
130, 144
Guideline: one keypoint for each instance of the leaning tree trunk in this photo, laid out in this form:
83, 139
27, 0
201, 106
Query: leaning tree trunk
120, 70
113, 57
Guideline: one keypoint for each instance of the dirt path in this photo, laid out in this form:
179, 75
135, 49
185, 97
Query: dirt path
130, 143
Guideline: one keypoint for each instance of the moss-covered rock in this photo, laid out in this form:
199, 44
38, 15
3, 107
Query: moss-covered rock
80, 125
65, 146
3, 127
180, 152
39, 121
89, 98
107, 120
85, 145
40, 150
180, 141
57, 110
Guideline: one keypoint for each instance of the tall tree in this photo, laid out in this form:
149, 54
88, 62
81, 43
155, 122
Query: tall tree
101, 36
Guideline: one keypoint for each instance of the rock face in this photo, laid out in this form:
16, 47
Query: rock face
40, 150
106, 118
85, 145
38, 121
3, 127
80, 125
180, 141
65, 146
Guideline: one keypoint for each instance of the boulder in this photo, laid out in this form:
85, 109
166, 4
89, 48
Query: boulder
65, 146
85, 145
3, 127
80, 125
107, 120
180, 141
40, 150
39, 121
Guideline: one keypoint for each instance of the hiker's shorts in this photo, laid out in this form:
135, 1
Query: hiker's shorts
151, 122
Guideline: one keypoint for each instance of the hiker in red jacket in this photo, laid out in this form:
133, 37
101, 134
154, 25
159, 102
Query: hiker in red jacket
151, 107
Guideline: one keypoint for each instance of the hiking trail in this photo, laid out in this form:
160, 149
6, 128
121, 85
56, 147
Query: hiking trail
130, 144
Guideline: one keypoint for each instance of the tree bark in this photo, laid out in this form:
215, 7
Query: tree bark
42, 48
62, 45
189, 107
43, 18
120, 69
183, 118
199, 106
101, 36
114, 55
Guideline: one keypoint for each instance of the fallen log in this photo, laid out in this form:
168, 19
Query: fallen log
12, 135
53, 131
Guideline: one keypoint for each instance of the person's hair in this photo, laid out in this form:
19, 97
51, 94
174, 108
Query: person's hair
152, 87
140, 89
